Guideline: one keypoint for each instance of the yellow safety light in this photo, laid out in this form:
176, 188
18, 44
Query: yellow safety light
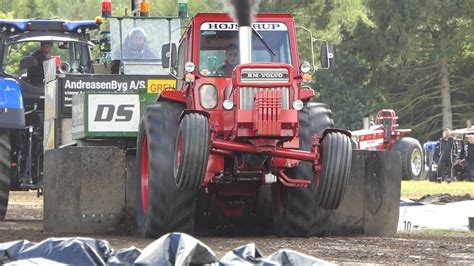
190, 78
99, 20
307, 78
144, 8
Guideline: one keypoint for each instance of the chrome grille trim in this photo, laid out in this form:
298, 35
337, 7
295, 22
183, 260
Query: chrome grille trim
247, 97
267, 75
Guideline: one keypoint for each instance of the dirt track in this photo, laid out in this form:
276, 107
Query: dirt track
24, 216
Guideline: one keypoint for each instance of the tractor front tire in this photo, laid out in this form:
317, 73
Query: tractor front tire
161, 206
336, 166
4, 171
191, 151
412, 157
295, 210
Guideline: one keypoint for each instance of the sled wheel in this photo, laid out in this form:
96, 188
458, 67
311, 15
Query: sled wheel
161, 206
336, 165
191, 151
412, 157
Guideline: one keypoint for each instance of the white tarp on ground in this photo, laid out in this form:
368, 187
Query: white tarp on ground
448, 216
170, 249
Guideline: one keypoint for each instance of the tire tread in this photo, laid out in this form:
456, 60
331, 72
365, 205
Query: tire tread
5, 171
169, 208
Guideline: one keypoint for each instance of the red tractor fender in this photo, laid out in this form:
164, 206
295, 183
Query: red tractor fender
306, 94
180, 96
174, 96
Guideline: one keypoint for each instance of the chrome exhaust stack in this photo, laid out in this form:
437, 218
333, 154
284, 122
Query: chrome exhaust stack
243, 11
245, 44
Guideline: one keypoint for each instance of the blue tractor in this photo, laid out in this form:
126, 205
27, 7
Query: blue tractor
22, 109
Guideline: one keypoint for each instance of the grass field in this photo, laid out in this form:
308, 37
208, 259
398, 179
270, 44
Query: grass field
417, 189
437, 232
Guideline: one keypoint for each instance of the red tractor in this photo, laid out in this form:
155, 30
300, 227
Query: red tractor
210, 149
384, 135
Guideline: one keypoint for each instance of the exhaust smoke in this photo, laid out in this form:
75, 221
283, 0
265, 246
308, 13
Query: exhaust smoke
243, 12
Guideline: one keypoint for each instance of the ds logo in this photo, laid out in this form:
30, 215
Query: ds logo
109, 112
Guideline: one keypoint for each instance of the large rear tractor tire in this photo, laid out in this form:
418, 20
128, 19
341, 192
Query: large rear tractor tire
336, 166
161, 206
412, 157
296, 212
4, 171
191, 151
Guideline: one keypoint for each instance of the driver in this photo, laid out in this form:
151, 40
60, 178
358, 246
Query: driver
36, 73
136, 46
232, 59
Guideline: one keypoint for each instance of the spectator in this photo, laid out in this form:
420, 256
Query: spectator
232, 59
468, 152
36, 74
447, 153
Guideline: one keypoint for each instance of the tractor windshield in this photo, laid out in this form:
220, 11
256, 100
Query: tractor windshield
218, 53
140, 39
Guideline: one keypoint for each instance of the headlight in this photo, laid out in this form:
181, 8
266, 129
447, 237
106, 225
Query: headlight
189, 67
305, 67
228, 104
208, 96
298, 105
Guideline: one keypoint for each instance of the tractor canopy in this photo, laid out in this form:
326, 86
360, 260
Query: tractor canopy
70, 41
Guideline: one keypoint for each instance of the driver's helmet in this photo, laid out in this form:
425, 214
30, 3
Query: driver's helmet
137, 38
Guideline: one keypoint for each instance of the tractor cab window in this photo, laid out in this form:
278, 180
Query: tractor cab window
141, 39
71, 57
218, 41
136, 44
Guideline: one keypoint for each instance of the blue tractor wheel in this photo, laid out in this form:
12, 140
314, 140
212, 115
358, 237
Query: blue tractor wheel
4, 171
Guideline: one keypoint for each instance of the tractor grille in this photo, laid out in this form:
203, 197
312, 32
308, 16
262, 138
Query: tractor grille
247, 97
